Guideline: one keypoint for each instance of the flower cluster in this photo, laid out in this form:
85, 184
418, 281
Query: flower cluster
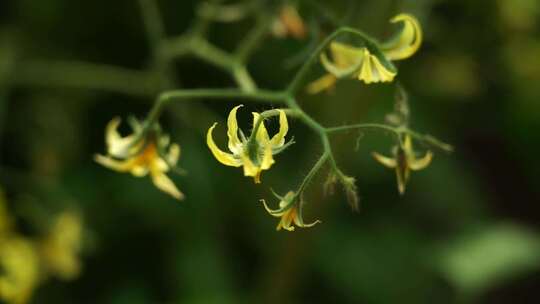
148, 151
28, 262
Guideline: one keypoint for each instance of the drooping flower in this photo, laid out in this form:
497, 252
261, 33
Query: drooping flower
255, 153
404, 161
289, 23
61, 247
19, 262
369, 63
290, 212
141, 155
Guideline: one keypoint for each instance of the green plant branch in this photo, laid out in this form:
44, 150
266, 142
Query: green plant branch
312, 172
152, 22
82, 75
253, 39
381, 127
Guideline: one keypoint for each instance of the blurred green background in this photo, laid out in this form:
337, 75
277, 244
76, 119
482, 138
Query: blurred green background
466, 231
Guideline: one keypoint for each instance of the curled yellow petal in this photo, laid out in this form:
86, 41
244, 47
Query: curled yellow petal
223, 157
385, 161
116, 165
117, 145
408, 40
419, 164
341, 71
232, 130
278, 140
345, 55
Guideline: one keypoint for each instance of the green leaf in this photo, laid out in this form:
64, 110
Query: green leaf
490, 256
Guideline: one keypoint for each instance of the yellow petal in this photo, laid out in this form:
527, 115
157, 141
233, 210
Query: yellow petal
419, 164
120, 166
117, 145
408, 41
385, 161
407, 145
340, 71
163, 183
345, 55
232, 130
267, 159
366, 73
326, 82
250, 169
383, 73
173, 155
223, 157
278, 140
262, 133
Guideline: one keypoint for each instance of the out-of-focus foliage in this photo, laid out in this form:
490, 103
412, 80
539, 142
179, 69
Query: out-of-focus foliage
473, 83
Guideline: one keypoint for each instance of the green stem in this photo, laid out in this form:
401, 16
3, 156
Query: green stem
201, 48
243, 78
430, 140
152, 22
214, 94
314, 170
363, 126
253, 39
84, 76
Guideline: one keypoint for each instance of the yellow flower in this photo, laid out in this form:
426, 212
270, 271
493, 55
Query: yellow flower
254, 154
290, 211
404, 161
141, 156
20, 270
61, 247
365, 63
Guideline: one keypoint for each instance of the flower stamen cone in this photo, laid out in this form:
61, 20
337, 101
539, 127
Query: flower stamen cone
404, 161
140, 154
290, 212
255, 153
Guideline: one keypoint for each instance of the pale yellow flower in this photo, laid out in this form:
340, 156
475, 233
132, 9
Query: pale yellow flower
365, 63
61, 247
404, 161
255, 155
141, 156
20, 270
290, 212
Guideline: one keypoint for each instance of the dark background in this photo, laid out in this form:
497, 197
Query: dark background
466, 231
